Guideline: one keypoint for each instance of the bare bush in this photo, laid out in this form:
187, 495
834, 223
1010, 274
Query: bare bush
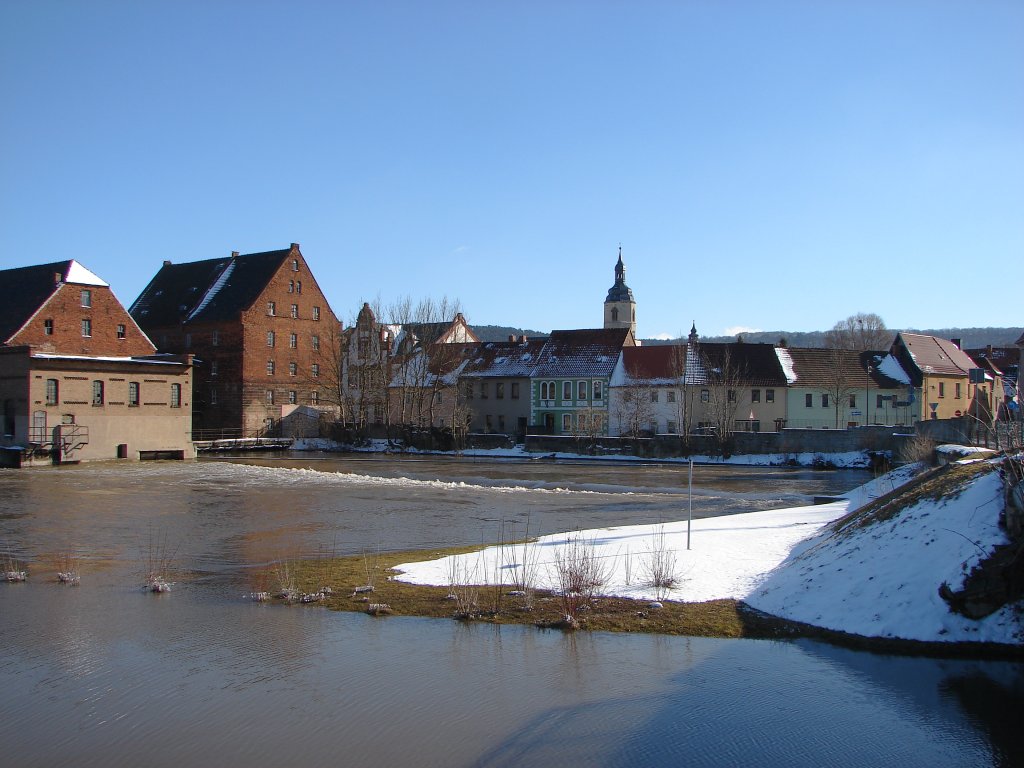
580, 574
660, 565
463, 587
523, 564
918, 449
68, 567
160, 565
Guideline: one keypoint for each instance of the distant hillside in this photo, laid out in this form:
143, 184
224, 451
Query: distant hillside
970, 338
502, 332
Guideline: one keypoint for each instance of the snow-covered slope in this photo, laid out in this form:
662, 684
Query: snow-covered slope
877, 574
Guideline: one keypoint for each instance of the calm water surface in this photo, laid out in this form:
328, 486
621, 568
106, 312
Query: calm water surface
106, 675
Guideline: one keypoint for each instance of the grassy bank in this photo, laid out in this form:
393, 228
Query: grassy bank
346, 576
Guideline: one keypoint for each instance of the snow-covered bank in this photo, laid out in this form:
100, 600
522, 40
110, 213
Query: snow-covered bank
878, 581
846, 460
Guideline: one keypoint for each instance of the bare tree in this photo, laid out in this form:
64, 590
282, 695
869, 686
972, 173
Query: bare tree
862, 332
725, 375
841, 380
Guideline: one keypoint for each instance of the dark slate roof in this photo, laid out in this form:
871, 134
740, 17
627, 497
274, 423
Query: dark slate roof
824, 368
25, 289
504, 359
206, 291
755, 365
582, 353
620, 291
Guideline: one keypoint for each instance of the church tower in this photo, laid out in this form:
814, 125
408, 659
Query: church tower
620, 306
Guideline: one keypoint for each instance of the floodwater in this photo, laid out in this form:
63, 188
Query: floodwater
105, 674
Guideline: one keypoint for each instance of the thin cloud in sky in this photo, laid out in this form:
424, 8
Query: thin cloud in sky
739, 329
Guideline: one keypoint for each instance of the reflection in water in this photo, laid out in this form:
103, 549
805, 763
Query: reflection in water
106, 675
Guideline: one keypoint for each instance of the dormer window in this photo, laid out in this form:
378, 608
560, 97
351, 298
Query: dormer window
86, 297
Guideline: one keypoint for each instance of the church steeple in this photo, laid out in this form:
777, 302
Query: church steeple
620, 306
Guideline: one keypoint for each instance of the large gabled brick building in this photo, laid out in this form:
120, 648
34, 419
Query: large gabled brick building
260, 328
79, 380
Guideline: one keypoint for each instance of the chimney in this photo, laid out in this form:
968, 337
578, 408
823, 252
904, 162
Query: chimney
988, 351
167, 262
522, 339
295, 246
512, 338
58, 278
234, 254
956, 343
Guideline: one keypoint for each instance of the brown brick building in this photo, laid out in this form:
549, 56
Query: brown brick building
260, 328
79, 380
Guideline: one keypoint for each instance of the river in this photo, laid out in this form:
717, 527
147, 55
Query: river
105, 674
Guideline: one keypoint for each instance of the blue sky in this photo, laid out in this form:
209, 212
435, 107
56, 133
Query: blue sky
768, 165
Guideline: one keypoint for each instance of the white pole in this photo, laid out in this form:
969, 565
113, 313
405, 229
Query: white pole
689, 506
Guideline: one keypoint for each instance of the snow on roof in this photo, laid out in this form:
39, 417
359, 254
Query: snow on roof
80, 275
890, 366
787, 364
105, 359
217, 285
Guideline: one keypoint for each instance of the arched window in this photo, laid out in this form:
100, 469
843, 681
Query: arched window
615, 314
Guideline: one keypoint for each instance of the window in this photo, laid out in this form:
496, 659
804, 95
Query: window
581, 390
653, 427
316, 341
120, 330
97, 393
293, 369
654, 395
499, 390
956, 390
543, 390
271, 308
878, 401
809, 400
291, 286
271, 338
270, 367
48, 326
86, 297
52, 389
501, 422
87, 327
314, 397
671, 397
769, 395
213, 396
314, 370
175, 395
133, 394
298, 286
853, 401
731, 395
942, 389
488, 425
270, 397
292, 396
316, 313
295, 265
567, 390
755, 395
515, 390
705, 396
483, 390
615, 314
215, 338
188, 340
566, 422
213, 367
293, 340
824, 401
672, 428
597, 390
469, 387
295, 310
